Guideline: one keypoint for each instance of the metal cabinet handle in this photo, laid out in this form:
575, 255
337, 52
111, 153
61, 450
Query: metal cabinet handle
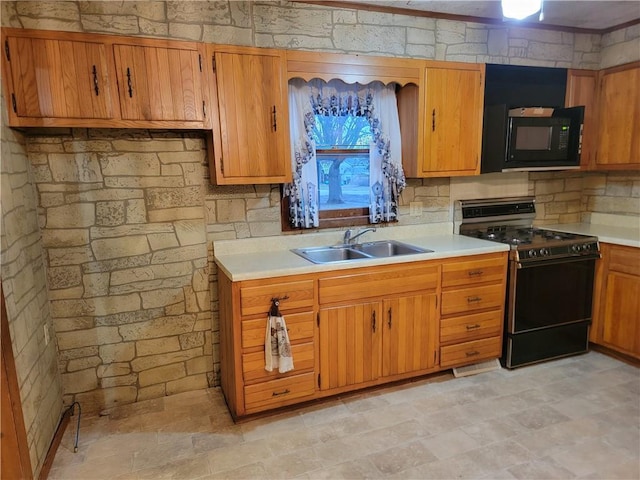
389, 321
96, 87
475, 273
472, 353
473, 327
373, 321
284, 392
129, 82
474, 299
275, 119
433, 120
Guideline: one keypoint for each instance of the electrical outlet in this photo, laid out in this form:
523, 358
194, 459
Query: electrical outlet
46, 334
415, 209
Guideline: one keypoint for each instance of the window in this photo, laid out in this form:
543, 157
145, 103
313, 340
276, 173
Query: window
342, 158
345, 143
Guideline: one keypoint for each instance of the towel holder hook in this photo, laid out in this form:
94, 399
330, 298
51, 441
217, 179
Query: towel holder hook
274, 311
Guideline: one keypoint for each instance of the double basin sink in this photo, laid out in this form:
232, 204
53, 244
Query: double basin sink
362, 251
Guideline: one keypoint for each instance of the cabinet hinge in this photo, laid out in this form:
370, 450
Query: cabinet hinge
200, 61
318, 380
6, 50
13, 103
213, 63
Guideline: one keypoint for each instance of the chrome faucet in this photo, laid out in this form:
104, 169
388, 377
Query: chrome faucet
350, 240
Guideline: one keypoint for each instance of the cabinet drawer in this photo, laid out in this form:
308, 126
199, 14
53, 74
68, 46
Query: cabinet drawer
253, 363
299, 326
470, 352
474, 272
275, 393
257, 299
473, 298
470, 327
378, 282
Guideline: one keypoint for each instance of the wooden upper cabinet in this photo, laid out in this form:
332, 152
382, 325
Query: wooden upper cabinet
619, 116
251, 130
56, 79
454, 98
162, 83
582, 86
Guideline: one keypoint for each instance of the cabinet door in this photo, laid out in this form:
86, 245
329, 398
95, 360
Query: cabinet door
582, 91
619, 112
350, 345
58, 79
158, 83
620, 323
252, 145
453, 120
410, 338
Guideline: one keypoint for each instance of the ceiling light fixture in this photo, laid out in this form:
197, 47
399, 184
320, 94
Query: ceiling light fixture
521, 9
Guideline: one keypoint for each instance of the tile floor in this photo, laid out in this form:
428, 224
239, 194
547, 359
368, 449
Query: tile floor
577, 417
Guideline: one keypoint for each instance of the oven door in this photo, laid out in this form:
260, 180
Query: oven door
549, 293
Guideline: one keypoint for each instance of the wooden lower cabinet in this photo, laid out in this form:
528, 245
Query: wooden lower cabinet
359, 327
350, 345
616, 315
409, 334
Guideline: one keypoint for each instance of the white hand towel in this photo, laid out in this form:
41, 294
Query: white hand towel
277, 348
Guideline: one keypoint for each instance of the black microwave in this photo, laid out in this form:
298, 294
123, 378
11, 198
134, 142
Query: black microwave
512, 142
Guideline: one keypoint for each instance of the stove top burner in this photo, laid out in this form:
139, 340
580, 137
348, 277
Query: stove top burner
510, 221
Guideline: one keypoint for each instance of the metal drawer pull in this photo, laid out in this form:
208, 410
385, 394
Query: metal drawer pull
475, 273
473, 327
472, 354
279, 299
474, 299
284, 392
373, 321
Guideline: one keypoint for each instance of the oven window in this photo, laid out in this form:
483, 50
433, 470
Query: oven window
533, 138
549, 295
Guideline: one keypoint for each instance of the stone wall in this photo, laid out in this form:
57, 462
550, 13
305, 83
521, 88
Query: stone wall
123, 230
25, 290
568, 197
118, 207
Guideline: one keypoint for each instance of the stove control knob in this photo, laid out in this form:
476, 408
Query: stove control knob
586, 247
576, 248
544, 252
533, 253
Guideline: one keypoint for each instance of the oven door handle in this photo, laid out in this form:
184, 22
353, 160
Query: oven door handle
542, 263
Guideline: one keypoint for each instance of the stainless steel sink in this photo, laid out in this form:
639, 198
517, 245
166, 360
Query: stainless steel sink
339, 253
389, 248
348, 253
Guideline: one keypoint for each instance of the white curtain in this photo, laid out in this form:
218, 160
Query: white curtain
375, 102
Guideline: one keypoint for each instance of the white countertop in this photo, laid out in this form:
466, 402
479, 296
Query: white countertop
266, 257
616, 229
